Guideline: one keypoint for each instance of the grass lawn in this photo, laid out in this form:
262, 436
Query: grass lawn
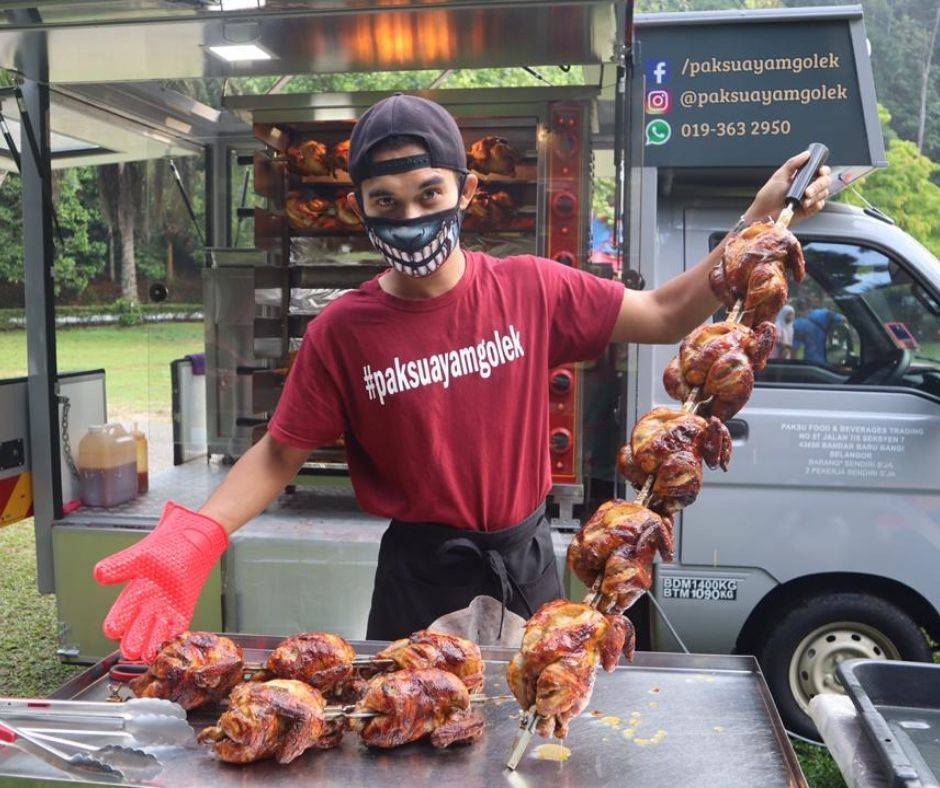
136, 360
28, 662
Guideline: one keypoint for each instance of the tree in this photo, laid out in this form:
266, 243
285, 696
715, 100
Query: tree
925, 81
79, 256
120, 202
905, 190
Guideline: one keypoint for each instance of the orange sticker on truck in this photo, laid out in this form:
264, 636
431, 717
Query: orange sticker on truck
16, 498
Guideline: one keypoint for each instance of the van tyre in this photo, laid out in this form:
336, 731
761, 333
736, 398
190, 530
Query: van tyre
799, 654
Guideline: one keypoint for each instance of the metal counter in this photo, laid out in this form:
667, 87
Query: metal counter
718, 728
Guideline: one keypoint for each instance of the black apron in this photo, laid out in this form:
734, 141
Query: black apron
426, 570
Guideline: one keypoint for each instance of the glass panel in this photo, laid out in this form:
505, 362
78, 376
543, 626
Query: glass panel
128, 302
858, 318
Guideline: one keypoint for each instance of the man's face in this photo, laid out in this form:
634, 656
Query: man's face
409, 195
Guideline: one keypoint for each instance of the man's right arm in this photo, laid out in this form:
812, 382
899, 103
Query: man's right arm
253, 482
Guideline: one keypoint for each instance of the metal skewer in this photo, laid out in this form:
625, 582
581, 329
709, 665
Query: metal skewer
349, 712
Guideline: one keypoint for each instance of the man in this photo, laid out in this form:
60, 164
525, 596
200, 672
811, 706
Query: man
810, 331
435, 373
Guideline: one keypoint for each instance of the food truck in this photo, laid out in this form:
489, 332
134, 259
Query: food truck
819, 542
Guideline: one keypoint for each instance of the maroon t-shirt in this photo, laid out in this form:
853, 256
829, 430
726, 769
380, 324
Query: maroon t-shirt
443, 402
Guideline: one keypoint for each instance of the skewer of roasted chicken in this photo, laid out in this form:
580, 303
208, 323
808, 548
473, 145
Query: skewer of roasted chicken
329, 663
613, 552
408, 705
553, 673
282, 718
196, 668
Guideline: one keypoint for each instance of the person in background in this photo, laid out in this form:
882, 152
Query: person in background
810, 332
783, 349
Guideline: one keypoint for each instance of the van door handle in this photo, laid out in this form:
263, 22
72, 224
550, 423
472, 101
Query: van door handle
737, 428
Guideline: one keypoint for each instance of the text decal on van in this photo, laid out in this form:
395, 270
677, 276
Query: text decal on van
707, 589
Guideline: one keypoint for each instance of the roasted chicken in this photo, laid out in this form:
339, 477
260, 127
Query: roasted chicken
345, 215
490, 210
309, 158
305, 212
554, 671
277, 719
340, 157
413, 704
754, 268
492, 156
192, 669
617, 544
426, 649
320, 659
722, 360
671, 445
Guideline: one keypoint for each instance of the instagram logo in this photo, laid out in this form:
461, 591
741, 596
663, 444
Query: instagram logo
658, 102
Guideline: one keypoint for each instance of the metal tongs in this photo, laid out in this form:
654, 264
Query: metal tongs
818, 153
111, 763
146, 721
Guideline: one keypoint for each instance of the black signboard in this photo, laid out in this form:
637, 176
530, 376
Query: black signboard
751, 94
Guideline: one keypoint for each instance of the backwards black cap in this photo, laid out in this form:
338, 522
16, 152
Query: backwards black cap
405, 115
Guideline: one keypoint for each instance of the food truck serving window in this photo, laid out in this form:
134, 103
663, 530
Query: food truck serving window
739, 94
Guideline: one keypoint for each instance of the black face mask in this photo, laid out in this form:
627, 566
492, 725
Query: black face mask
416, 247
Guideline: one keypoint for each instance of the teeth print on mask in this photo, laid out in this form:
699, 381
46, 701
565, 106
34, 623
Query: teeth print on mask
416, 247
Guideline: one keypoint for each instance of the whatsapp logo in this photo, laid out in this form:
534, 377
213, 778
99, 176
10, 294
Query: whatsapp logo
658, 132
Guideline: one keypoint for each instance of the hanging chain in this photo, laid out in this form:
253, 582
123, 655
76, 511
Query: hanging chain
66, 444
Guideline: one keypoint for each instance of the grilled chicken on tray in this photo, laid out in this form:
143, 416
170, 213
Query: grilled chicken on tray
722, 360
192, 669
617, 545
320, 659
426, 649
277, 719
554, 671
671, 444
754, 268
414, 704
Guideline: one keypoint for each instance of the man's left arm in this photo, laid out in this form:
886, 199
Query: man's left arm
668, 313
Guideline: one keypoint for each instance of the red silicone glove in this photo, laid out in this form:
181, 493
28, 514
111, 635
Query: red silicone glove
164, 572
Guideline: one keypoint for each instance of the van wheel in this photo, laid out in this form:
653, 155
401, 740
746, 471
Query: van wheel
799, 655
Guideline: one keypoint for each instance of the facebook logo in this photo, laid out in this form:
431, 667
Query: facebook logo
657, 72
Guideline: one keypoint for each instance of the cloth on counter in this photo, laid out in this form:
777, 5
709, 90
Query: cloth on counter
479, 622
837, 722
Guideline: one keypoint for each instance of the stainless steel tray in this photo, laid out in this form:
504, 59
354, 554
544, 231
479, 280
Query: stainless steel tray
717, 721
